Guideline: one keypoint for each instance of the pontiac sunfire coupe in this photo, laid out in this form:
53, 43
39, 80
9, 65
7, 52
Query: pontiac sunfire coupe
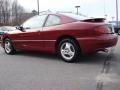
66, 34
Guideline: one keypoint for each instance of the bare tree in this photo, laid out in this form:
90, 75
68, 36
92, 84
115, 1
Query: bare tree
15, 12
4, 11
11, 12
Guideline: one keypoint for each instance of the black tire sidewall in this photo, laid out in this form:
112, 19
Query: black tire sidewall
77, 50
11, 47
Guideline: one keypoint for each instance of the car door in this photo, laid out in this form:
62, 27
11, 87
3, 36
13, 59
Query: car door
30, 38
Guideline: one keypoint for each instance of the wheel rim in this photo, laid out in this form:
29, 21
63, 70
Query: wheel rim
67, 51
7, 46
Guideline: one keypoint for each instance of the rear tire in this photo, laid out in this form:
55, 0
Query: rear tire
68, 50
8, 47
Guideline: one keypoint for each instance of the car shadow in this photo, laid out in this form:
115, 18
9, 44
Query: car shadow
97, 58
38, 54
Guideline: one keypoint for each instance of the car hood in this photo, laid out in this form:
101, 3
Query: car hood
13, 32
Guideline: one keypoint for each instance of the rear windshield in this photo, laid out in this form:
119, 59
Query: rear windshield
75, 16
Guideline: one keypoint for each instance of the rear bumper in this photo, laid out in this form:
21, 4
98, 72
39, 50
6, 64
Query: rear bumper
94, 44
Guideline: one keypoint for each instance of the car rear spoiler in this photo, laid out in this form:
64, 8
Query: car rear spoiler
94, 20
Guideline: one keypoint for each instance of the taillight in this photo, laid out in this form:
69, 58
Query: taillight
103, 30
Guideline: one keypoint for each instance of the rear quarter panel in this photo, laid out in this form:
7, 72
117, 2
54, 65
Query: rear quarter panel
75, 29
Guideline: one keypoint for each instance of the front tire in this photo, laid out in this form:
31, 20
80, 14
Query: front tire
69, 50
8, 47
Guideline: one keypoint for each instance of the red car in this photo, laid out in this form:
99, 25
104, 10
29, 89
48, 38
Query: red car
67, 34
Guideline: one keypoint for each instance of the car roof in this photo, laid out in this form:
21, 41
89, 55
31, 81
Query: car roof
64, 18
68, 15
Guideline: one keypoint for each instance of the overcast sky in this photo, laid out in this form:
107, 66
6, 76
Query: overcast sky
92, 8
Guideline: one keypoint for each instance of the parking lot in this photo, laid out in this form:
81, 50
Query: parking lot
38, 71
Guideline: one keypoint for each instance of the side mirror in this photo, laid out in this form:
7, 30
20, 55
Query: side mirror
20, 28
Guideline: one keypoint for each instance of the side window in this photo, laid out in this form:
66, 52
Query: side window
53, 20
34, 22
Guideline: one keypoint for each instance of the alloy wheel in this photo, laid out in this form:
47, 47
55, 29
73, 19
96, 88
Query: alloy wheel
67, 51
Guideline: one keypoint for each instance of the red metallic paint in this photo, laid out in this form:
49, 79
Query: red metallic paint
44, 39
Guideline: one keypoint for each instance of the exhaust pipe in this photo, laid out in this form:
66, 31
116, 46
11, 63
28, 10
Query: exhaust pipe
105, 50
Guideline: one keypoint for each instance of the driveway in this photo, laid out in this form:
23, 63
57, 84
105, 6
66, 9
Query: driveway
40, 71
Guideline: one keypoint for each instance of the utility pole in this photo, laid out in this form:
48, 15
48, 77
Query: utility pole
117, 12
106, 16
77, 7
104, 8
113, 18
38, 6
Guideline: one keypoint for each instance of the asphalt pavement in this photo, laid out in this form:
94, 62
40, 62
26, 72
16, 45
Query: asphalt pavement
40, 71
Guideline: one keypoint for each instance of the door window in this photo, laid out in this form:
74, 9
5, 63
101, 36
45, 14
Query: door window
53, 20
